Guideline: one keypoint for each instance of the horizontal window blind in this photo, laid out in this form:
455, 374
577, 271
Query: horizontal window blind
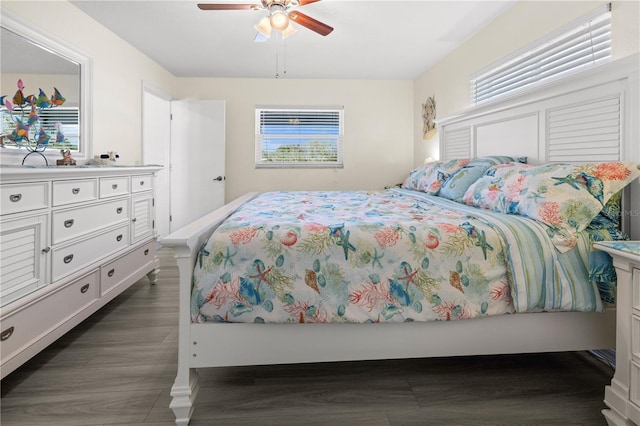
299, 137
48, 121
583, 44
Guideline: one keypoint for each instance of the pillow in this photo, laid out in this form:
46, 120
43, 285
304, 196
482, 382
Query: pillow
565, 197
429, 177
492, 160
489, 192
612, 208
455, 187
602, 228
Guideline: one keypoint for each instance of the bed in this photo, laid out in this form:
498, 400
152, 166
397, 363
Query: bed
451, 273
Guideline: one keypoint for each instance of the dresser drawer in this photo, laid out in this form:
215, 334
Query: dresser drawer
112, 187
120, 269
72, 223
70, 258
141, 183
23, 197
74, 191
23, 327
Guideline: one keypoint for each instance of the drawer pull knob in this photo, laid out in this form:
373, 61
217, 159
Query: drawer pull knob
68, 259
114, 186
146, 252
119, 237
46, 249
68, 223
141, 183
6, 334
75, 191
15, 197
111, 272
119, 210
134, 219
84, 288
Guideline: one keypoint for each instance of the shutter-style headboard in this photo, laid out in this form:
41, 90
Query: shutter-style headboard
586, 131
590, 116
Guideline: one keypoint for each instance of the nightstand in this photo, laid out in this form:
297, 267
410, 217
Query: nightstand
623, 395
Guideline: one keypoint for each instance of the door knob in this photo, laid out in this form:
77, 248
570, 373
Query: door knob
220, 178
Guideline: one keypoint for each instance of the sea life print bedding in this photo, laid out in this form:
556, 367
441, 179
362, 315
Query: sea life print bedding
394, 255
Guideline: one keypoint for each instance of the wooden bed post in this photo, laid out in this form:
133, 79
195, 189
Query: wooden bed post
186, 243
185, 387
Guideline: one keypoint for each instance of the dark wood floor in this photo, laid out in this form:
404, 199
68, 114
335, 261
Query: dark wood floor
118, 366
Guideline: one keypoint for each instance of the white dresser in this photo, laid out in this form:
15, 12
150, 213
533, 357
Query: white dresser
71, 239
623, 395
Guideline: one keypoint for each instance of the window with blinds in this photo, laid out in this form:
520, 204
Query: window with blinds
299, 136
50, 120
580, 45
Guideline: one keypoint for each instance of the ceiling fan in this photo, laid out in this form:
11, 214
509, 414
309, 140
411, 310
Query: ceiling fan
280, 16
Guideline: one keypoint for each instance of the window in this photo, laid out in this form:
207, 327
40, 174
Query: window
580, 45
299, 136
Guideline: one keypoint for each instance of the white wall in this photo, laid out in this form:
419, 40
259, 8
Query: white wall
378, 142
118, 72
520, 25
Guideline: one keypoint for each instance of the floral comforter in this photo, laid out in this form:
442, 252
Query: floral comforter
384, 256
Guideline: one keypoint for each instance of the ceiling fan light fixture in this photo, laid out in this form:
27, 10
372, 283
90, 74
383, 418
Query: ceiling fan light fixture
264, 27
289, 30
279, 19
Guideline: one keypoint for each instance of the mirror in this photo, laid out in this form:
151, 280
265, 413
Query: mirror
41, 61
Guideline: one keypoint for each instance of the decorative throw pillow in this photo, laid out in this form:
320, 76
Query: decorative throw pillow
489, 191
418, 177
456, 186
564, 196
493, 160
429, 177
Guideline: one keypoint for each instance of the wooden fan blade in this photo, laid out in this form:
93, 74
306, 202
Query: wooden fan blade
226, 6
306, 2
310, 23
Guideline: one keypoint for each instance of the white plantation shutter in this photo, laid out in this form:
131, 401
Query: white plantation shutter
299, 136
580, 45
457, 143
588, 131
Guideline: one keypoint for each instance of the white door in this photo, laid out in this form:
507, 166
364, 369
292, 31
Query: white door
156, 149
197, 159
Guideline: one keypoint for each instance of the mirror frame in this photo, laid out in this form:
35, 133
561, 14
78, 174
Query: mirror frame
61, 48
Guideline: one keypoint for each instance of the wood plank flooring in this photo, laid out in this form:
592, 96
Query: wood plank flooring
117, 368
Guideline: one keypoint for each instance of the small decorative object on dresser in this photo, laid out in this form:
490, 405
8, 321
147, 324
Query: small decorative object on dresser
67, 160
71, 239
623, 395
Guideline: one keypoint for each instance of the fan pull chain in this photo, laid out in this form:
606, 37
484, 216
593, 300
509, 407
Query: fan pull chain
284, 57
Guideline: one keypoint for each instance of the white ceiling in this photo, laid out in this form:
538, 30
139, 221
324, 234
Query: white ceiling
372, 39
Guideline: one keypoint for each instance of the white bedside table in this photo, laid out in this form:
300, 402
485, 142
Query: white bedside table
623, 395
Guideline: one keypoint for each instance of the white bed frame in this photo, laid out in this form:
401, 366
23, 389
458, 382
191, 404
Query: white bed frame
524, 125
